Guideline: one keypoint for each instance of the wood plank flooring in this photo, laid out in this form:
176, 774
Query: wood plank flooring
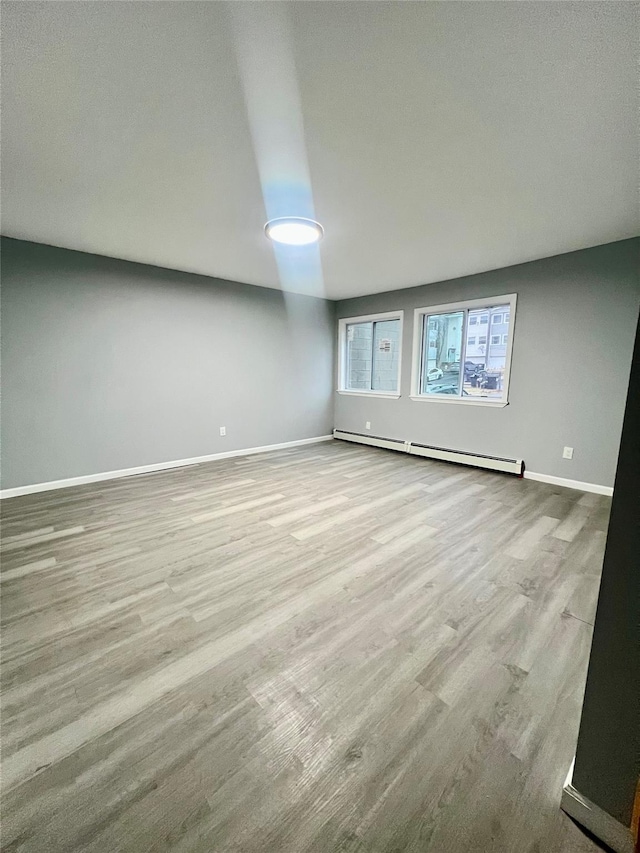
330, 648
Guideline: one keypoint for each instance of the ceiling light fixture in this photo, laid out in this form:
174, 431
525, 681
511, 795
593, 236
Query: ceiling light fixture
294, 230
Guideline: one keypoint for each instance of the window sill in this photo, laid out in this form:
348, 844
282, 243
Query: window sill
435, 398
383, 394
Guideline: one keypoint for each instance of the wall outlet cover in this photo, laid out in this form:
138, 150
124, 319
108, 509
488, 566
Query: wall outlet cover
223, 430
567, 453
367, 425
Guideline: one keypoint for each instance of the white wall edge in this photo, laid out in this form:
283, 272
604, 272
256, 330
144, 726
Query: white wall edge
196, 460
596, 820
157, 466
569, 484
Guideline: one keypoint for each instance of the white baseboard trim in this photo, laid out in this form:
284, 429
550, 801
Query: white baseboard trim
148, 469
569, 484
595, 819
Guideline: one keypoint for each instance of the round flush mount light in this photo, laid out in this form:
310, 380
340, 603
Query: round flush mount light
294, 230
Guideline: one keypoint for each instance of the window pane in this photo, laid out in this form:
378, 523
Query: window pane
358, 372
484, 364
386, 348
441, 350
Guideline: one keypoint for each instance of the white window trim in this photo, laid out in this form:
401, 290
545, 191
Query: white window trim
342, 340
469, 305
496, 343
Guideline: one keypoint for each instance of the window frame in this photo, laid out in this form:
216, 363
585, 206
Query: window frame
497, 342
419, 315
342, 354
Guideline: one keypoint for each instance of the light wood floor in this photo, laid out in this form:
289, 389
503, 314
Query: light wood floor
333, 648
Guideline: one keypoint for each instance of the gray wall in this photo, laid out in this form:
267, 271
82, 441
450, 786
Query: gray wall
108, 365
574, 329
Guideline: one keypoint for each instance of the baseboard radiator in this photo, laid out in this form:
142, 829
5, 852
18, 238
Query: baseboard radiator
462, 457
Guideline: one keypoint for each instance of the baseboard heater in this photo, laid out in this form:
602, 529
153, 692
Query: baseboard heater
462, 457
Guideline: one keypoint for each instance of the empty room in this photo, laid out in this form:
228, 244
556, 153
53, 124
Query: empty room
319, 424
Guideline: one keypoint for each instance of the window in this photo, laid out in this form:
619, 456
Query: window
369, 356
452, 363
444, 349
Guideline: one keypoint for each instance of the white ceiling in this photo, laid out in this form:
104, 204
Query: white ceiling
434, 139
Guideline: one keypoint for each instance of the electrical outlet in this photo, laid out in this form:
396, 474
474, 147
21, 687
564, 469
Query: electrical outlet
223, 430
367, 425
567, 453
